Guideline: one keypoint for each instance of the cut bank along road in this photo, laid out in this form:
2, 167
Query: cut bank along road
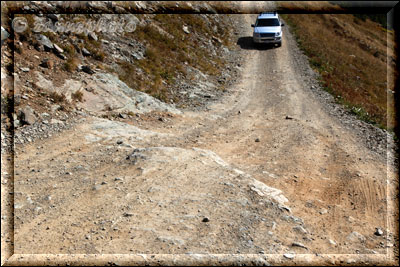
264, 170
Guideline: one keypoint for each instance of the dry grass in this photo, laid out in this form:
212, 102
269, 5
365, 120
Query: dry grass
77, 96
350, 54
57, 98
169, 50
307, 6
71, 64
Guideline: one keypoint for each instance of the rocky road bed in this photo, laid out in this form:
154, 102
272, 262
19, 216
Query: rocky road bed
270, 170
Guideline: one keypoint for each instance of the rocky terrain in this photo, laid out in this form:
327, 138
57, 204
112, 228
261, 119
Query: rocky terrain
250, 164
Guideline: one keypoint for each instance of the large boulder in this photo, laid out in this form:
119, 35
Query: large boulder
27, 115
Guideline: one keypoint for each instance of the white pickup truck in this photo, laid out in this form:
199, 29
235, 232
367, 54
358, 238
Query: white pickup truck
268, 29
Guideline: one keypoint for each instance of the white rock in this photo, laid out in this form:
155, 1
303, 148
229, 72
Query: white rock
25, 69
332, 242
288, 255
323, 211
186, 29
58, 49
266, 191
378, 232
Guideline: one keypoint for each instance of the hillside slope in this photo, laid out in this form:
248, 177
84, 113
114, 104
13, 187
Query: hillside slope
182, 60
356, 60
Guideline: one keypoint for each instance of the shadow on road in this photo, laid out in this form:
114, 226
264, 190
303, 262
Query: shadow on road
247, 43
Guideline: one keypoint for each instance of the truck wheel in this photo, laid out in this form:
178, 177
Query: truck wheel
279, 44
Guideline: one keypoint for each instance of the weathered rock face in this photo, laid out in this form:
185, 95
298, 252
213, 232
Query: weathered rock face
105, 92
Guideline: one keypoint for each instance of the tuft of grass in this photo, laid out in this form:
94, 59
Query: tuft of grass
77, 96
346, 52
71, 64
69, 50
57, 98
96, 52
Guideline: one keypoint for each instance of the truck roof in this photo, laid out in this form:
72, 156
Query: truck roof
265, 15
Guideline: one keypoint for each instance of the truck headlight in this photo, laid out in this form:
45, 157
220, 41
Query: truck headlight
277, 34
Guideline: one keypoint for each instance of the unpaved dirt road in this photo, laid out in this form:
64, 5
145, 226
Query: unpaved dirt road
264, 170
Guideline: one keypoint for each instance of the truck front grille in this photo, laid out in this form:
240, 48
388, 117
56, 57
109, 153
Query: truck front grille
269, 34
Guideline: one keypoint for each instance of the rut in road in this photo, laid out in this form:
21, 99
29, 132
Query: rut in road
201, 183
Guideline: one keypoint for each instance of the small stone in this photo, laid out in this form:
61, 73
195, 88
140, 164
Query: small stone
300, 229
216, 39
186, 29
27, 115
53, 17
122, 115
205, 220
333, 243
103, 183
378, 232
43, 40
288, 118
87, 69
58, 49
323, 211
93, 36
46, 63
119, 142
126, 214
297, 244
288, 256
85, 52
257, 140
25, 69
62, 56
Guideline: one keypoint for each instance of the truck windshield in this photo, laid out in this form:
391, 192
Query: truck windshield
267, 22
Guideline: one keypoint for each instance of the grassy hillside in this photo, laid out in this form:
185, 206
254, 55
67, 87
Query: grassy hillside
169, 51
353, 57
